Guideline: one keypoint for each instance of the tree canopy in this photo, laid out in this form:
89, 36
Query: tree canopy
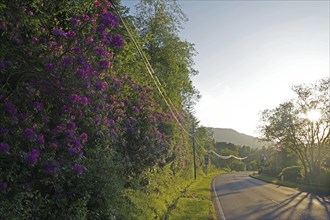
302, 125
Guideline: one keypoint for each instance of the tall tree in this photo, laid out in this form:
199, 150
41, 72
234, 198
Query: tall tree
160, 21
302, 125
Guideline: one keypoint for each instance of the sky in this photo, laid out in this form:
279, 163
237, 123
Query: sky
250, 54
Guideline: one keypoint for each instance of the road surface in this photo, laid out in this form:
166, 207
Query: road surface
238, 196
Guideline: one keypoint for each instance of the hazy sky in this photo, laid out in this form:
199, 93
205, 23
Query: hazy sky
251, 52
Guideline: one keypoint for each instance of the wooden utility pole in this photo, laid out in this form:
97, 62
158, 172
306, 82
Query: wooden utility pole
194, 147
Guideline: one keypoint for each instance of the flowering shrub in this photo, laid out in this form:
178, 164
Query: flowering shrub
62, 103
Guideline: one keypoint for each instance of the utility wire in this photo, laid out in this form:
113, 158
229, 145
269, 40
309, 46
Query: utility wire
161, 89
151, 73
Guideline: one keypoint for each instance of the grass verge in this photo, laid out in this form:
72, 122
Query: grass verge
195, 202
301, 187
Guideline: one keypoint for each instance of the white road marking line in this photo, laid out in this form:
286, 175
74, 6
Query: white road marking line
222, 215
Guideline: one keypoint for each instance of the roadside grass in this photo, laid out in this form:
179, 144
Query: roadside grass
299, 186
154, 201
196, 202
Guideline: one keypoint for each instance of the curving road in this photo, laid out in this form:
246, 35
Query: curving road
238, 196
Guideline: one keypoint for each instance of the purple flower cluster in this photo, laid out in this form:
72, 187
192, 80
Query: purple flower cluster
117, 41
83, 138
55, 127
109, 20
29, 133
4, 147
11, 108
76, 99
49, 66
104, 64
78, 169
32, 157
58, 32
38, 106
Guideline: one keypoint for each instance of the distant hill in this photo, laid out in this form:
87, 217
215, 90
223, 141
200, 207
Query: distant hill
232, 136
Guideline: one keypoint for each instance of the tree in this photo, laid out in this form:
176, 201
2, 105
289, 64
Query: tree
160, 21
302, 125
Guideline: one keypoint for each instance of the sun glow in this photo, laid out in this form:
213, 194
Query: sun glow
313, 115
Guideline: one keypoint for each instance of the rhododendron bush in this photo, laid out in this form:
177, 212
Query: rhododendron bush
63, 106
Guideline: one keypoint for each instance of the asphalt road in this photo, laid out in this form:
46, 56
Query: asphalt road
238, 196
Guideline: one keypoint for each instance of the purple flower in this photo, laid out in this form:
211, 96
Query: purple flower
59, 128
51, 168
84, 101
54, 146
109, 20
67, 61
49, 66
3, 26
35, 40
90, 40
117, 82
85, 17
4, 131
71, 125
4, 147
82, 73
100, 29
71, 34
11, 108
52, 43
81, 58
73, 150
99, 51
28, 133
83, 137
111, 122
3, 186
98, 85
87, 84
18, 40
41, 139
38, 106
104, 64
58, 32
32, 157
117, 41
78, 169
75, 98
69, 133
75, 21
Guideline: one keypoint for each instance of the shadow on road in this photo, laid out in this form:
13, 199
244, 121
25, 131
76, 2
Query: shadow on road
298, 206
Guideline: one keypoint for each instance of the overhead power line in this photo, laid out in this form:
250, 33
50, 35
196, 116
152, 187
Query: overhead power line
161, 89
151, 72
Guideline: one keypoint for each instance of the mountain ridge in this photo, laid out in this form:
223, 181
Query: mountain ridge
230, 135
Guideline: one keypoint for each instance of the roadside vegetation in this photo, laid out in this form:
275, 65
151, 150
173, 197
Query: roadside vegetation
195, 202
85, 133
322, 190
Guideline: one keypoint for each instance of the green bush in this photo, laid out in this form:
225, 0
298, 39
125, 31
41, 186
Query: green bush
293, 173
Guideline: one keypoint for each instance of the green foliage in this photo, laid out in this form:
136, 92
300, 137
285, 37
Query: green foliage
153, 200
195, 202
291, 127
293, 173
160, 22
80, 139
